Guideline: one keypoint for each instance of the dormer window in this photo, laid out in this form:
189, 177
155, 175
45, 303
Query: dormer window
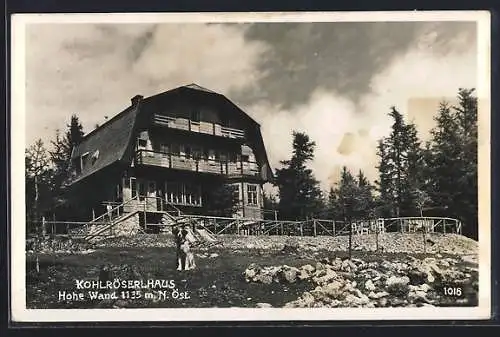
83, 159
142, 143
95, 156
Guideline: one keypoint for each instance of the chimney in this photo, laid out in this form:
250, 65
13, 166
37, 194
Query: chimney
136, 99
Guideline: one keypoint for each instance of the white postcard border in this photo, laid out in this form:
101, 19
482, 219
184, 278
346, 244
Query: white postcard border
19, 313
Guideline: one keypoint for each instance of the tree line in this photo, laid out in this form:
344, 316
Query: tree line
435, 178
47, 168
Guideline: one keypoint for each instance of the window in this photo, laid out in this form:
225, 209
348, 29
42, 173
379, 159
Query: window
141, 186
164, 149
233, 158
197, 153
176, 149
95, 156
151, 188
141, 143
183, 194
188, 151
83, 159
223, 157
195, 115
193, 194
133, 185
211, 154
173, 191
245, 158
119, 192
252, 195
236, 191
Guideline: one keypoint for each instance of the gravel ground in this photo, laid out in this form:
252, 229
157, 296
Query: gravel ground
389, 242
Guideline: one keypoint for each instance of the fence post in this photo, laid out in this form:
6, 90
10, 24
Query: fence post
376, 235
301, 230
333, 227
444, 226
314, 227
425, 239
145, 220
44, 230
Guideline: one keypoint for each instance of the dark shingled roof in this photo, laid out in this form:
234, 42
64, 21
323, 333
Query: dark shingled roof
110, 139
114, 137
200, 88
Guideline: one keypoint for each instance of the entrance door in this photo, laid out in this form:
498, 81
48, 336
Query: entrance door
152, 201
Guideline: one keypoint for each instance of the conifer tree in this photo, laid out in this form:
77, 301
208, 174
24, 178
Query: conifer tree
62, 149
400, 167
452, 161
299, 193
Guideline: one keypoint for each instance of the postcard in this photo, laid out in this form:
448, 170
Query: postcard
250, 166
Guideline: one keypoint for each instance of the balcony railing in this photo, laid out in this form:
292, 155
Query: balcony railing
199, 127
183, 162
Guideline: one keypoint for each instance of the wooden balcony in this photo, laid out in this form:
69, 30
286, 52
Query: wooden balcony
198, 127
178, 162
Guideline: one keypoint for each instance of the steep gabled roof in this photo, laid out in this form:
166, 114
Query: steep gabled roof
200, 88
110, 140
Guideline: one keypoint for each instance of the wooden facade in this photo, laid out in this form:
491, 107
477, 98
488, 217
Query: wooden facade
173, 148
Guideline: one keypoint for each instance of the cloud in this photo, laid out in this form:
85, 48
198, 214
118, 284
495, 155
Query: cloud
346, 132
335, 82
94, 70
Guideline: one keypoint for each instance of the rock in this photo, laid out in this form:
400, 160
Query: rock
369, 285
383, 302
213, 255
307, 300
263, 305
249, 274
308, 268
424, 287
336, 264
265, 278
397, 280
398, 286
353, 301
320, 266
289, 274
333, 289
326, 276
303, 275
419, 295
378, 295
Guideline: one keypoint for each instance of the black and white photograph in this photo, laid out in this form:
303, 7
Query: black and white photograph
250, 166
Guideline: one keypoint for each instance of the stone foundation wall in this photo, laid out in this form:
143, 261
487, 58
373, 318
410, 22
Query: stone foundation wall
129, 226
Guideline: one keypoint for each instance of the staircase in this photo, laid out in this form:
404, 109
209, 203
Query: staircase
95, 229
172, 216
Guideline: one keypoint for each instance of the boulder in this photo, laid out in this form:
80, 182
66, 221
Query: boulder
369, 285
263, 305
289, 274
333, 289
324, 276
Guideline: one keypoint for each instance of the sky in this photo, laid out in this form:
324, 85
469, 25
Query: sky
336, 81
